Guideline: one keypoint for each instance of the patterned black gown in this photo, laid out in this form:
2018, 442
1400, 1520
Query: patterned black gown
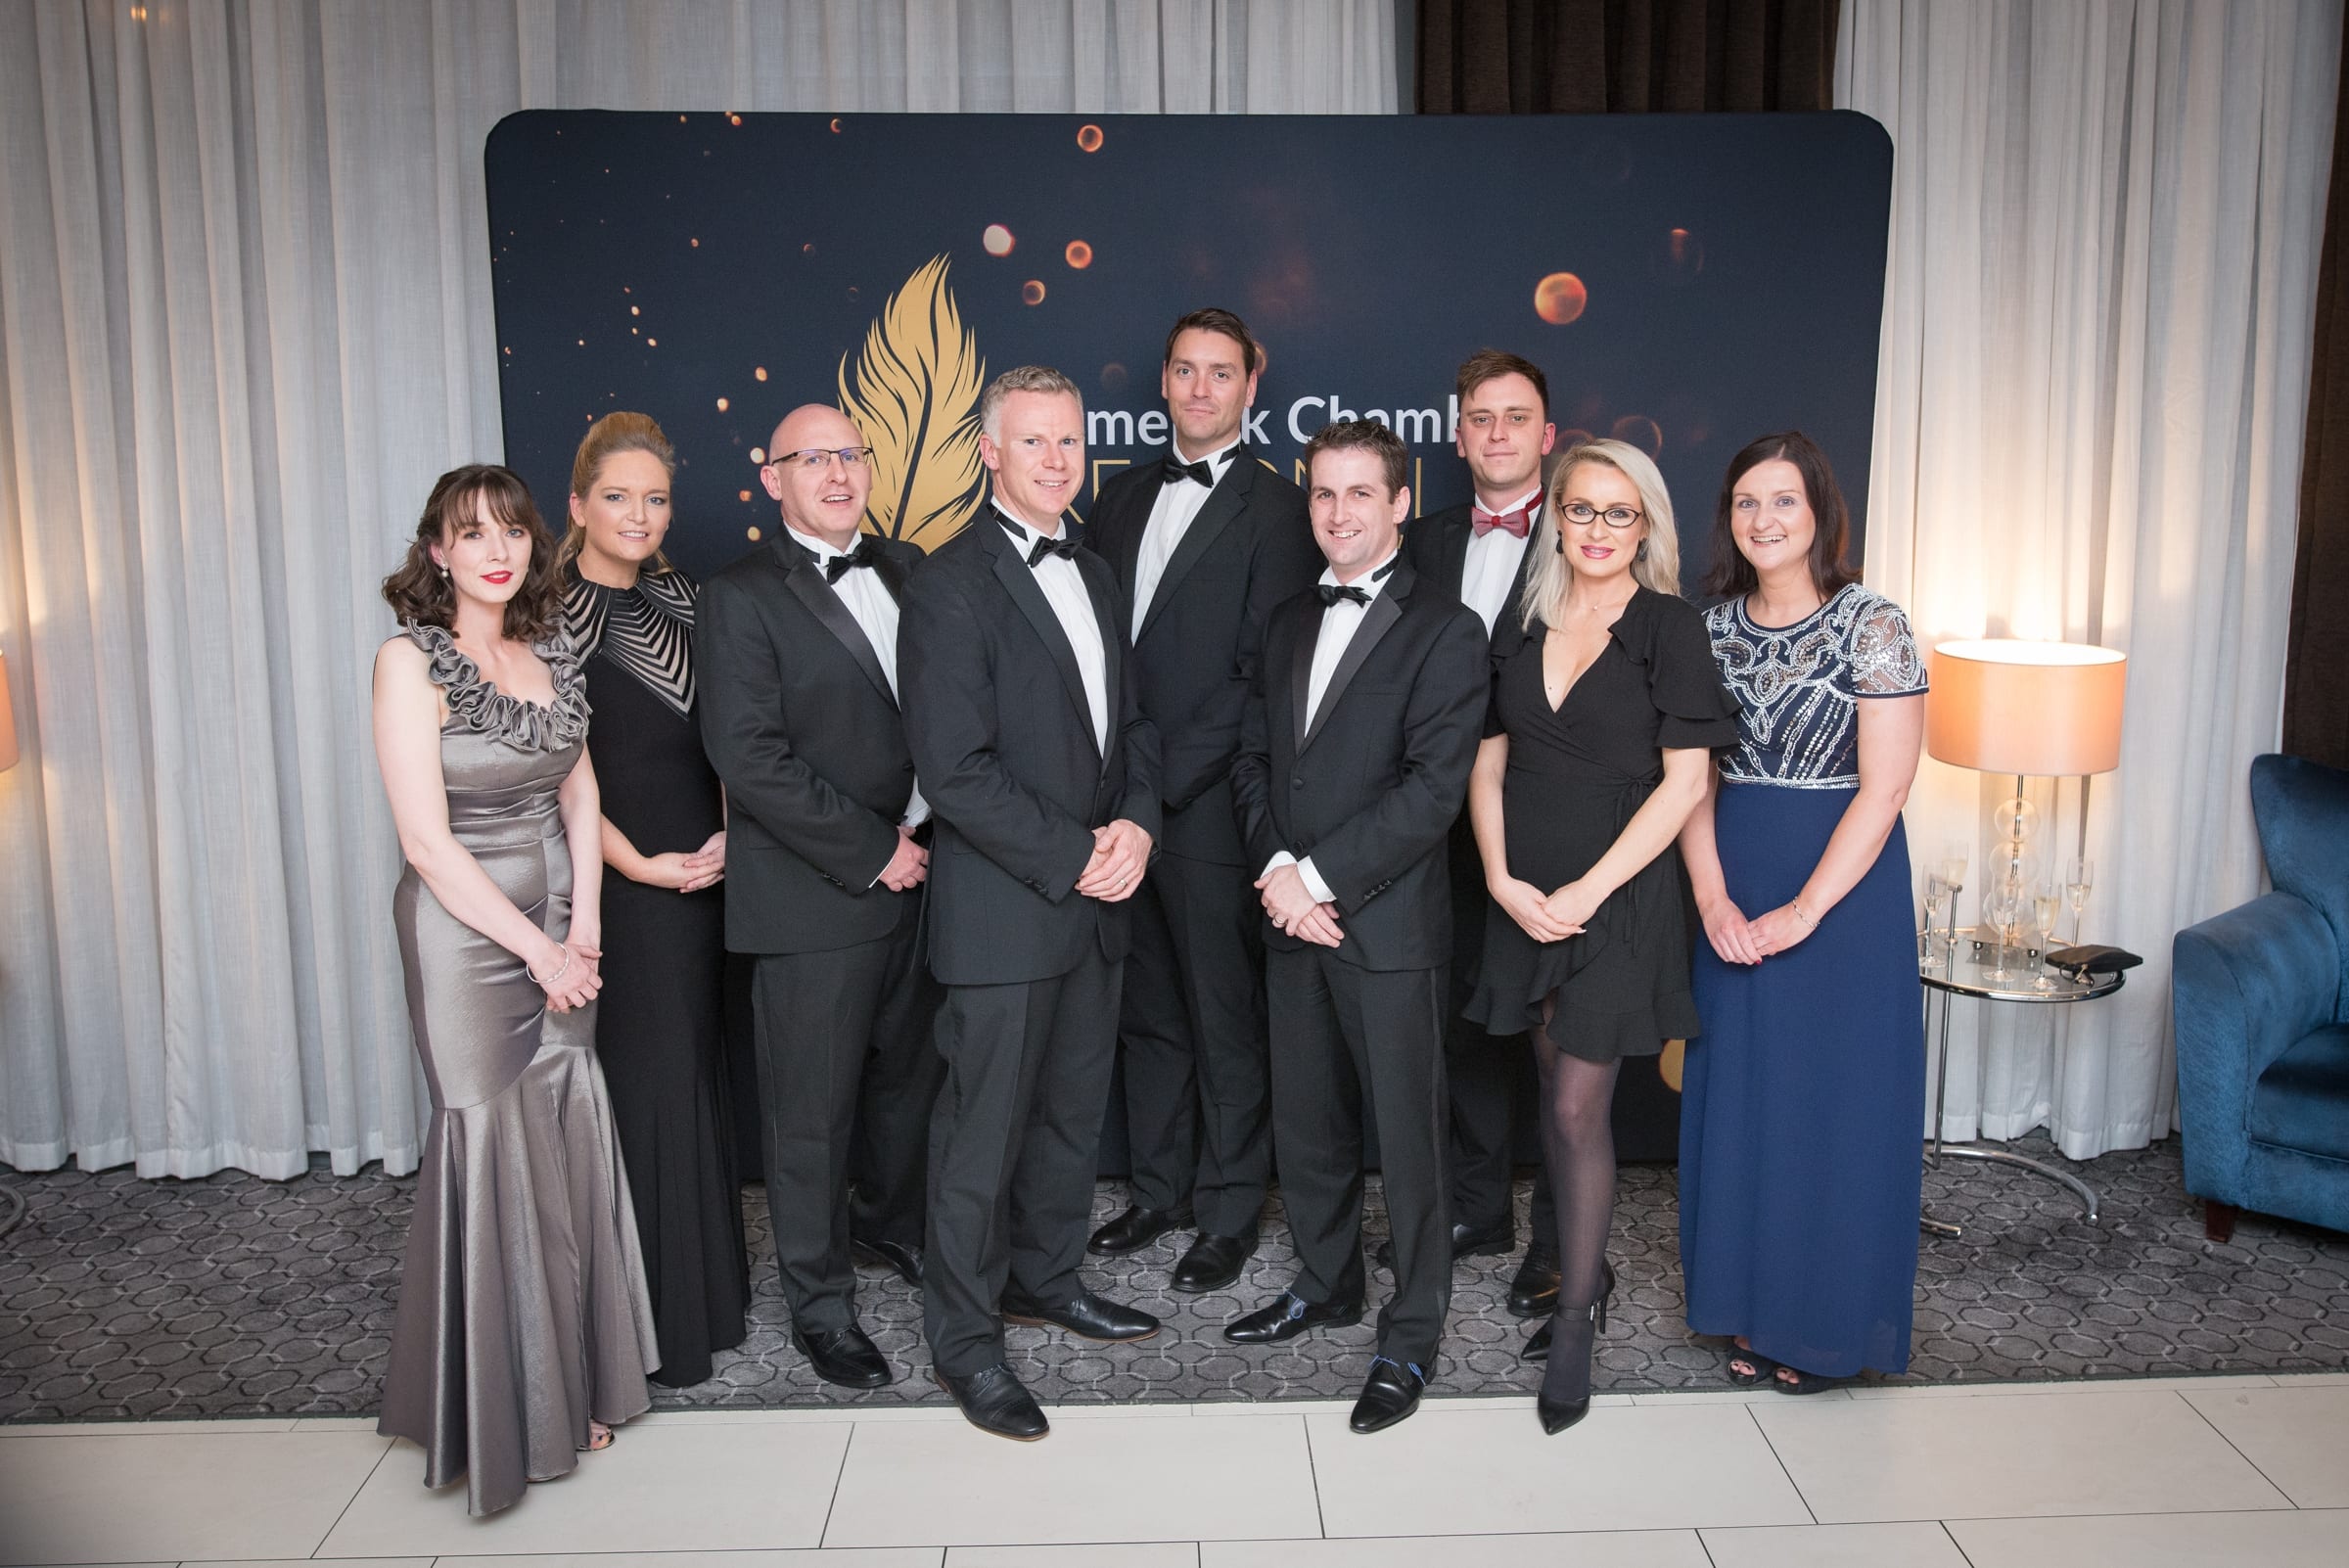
662, 1027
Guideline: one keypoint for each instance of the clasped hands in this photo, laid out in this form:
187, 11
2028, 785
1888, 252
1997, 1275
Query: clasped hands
1546, 917
1290, 905
1739, 940
570, 975
1121, 854
687, 871
908, 867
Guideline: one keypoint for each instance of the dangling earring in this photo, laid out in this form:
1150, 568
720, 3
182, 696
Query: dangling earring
445, 570
1640, 554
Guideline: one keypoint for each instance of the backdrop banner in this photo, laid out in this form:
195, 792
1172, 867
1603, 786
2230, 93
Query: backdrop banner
1687, 283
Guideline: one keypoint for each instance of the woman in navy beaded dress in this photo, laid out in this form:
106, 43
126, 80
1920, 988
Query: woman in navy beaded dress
1803, 1101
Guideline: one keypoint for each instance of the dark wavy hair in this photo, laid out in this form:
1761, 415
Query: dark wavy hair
420, 591
1730, 574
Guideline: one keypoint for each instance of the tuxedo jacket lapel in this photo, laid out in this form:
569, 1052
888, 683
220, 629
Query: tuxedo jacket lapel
1455, 553
1300, 669
1019, 580
1102, 589
1377, 622
806, 580
1229, 499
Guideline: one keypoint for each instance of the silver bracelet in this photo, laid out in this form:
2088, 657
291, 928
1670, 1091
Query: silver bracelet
1796, 905
560, 969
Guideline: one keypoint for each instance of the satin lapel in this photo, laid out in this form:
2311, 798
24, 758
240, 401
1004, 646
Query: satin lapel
1456, 551
1102, 589
1515, 602
1133, 522
1228, 500
1301, 670
891, 573
1012, 570
1377, 622
807, 582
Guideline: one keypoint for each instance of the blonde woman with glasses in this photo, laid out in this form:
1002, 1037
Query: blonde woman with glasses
1597, 746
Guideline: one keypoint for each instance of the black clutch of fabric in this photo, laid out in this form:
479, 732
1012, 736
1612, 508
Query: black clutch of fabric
2093, 960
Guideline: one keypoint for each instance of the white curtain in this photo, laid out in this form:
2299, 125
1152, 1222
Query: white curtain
244, 319
2107, 218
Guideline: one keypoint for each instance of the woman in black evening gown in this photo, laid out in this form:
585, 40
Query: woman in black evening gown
1596, 751
661, 1033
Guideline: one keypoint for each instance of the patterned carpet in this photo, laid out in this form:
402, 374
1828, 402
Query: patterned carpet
234, 1296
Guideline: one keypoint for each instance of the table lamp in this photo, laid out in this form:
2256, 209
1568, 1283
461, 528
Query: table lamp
2004, 705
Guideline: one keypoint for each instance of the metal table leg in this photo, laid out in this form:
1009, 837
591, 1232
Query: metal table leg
1935, 1150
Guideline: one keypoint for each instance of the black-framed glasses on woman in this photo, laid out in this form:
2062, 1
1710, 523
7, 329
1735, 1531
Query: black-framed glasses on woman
1582, 513
813, 457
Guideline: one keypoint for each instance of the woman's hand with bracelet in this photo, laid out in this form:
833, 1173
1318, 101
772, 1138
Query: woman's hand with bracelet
1784, 927
570, 976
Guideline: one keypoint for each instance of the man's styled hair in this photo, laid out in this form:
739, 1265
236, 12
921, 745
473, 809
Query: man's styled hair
1024, 379
1490, 364
1214, 319
1364, 435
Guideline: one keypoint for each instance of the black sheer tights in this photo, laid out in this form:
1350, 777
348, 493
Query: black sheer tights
1578, 1146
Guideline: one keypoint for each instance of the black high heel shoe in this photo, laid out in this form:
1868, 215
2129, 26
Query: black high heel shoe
1537, 1348
1575, 1333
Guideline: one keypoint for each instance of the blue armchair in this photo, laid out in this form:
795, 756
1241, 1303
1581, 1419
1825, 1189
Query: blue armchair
2260, 999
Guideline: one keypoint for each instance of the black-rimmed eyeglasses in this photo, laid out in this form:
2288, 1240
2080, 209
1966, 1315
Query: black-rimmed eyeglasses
814, 457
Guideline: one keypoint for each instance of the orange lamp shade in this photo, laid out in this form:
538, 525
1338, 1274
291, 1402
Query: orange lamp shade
2006, 706
7, 722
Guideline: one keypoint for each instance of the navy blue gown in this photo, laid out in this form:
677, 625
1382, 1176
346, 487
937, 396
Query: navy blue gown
1803, 1102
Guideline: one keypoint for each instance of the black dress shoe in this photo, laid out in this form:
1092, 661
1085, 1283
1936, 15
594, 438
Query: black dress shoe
1213, 1263
1534, 1293
1290, 1316
1085, 1314
1390, 1393
898, 1257
1467, 1241
994, 1401
842, 1356
1136, 1230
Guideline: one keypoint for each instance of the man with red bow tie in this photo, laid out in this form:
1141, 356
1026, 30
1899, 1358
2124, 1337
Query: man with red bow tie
1477, 552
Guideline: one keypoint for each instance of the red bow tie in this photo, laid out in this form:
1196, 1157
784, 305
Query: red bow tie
1516, 522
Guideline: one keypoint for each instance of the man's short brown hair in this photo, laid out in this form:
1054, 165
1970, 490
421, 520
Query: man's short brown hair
1213, 319
1366, 434
1490, 364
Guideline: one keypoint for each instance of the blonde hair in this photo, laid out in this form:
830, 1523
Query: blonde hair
607, 438
1022, 379
1657, 568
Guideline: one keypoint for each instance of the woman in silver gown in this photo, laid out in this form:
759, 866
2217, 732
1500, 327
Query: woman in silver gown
525, 1331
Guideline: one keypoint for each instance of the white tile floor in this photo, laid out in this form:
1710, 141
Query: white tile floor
2239, 1471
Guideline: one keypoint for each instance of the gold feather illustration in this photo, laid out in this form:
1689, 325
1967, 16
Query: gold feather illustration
915, 396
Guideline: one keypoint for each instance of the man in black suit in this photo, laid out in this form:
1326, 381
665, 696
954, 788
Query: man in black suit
1354, 762
1044, 774
1477, 551
1205, 542
796, 646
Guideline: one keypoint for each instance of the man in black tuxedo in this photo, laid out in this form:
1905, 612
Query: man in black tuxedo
1353, 761
1044, 774
1205, 542
796, 646
1477, 551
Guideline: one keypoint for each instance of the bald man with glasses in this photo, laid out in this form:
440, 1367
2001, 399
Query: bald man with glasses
826, 866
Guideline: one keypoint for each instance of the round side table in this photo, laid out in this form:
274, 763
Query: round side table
1960, 971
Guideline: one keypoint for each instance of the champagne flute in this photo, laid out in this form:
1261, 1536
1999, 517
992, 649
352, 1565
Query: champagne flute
2047, 908
1952, 869
2002, 908
2079, 876
1937, 897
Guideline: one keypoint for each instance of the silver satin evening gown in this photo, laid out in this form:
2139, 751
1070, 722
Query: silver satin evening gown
523, 1307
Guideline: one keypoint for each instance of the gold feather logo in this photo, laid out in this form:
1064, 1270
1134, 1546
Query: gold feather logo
915, 396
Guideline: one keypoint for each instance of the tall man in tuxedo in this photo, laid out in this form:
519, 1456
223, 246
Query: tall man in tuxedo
1353, 761
1204, 542
1044, 774
797, 647
1477, 551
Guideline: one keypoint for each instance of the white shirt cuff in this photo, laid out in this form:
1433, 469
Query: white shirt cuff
1305, 868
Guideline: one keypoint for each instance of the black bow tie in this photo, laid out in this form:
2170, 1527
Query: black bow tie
864, 555
1177, 470
1065, 547
1331, 594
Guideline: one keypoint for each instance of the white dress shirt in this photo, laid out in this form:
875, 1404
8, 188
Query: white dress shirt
1339, 623
1494, 559
1064, 590
868, 599
1170, 518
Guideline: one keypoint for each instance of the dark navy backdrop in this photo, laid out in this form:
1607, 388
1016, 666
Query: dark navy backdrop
1687, 282
1730, 267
